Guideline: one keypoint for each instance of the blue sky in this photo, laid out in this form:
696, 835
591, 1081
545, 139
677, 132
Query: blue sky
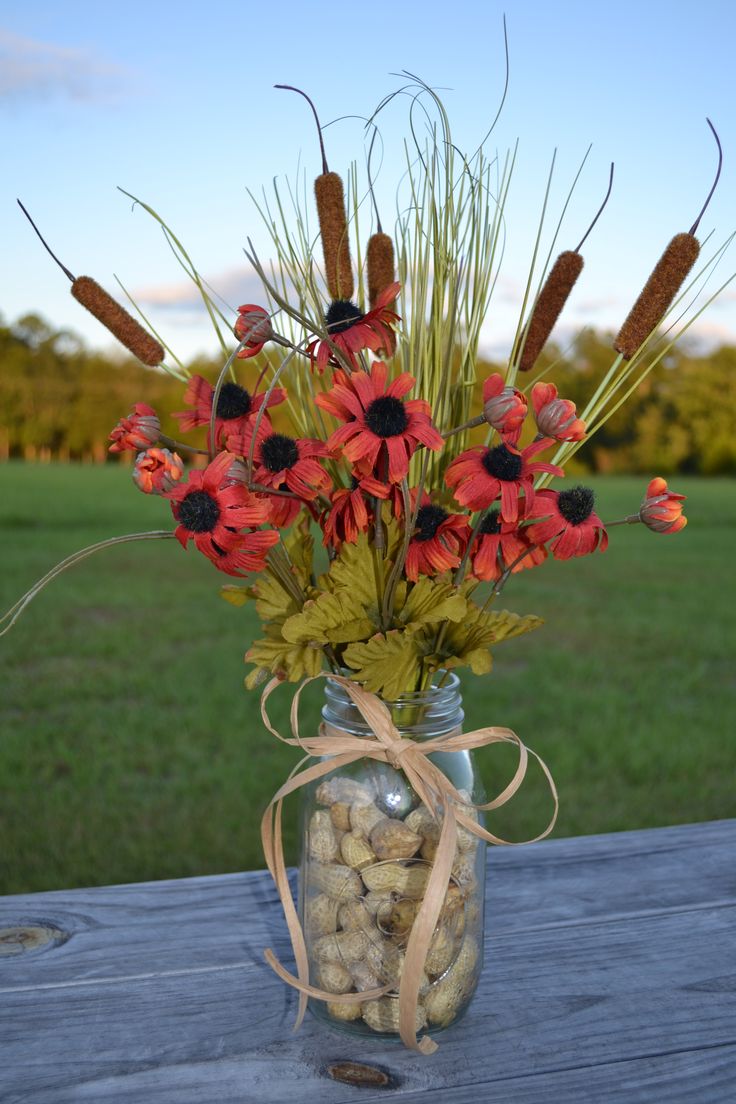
179, 108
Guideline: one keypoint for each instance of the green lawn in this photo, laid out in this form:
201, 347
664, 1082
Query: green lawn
130, 749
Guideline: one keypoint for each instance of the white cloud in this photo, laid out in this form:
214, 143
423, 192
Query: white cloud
231, 287
30, 69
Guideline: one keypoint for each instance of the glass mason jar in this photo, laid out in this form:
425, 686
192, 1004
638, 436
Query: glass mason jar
367, 847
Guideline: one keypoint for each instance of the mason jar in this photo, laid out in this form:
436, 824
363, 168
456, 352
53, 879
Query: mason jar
367, 848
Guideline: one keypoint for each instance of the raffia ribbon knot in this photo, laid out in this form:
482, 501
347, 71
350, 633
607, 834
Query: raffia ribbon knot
338, 749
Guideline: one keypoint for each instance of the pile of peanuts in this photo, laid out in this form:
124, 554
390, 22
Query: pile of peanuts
365, 880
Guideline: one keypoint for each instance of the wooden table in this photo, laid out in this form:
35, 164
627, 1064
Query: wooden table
610, 976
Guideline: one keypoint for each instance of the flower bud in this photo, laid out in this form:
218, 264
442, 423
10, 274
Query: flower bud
253, 325
504, 408
661, 510
141, 429
556, 418
157, 470
236, 473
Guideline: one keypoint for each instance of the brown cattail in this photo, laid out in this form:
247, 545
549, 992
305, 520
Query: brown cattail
668, 276
380, 265
659, 291
117, 320
334, 230
333, 224
554, 294
548, 307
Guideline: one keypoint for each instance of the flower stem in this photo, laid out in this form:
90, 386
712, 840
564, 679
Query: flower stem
179, 446
478, 420
15, 611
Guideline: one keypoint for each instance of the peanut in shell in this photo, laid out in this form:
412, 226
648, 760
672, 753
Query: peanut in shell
355, 850
338, 882
391, 839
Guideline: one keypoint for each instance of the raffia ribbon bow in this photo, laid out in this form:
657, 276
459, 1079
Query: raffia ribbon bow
436, 792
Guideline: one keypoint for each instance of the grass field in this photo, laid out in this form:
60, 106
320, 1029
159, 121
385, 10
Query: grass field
130, 749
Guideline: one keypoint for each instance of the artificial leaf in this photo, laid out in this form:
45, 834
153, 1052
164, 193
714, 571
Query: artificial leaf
272, 601
236, 595
299, 544
329, 619
279, 657
467, 643
385, 664
429, 602
353, 570
506, 625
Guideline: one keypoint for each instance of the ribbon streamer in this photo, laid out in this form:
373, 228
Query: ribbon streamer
435, 791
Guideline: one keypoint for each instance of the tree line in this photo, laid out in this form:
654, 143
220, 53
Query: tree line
59, 400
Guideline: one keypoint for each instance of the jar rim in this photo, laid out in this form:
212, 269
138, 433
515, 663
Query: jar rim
450, 687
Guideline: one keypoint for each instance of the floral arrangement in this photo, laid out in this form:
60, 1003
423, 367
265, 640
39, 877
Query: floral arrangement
353, 411
375, 496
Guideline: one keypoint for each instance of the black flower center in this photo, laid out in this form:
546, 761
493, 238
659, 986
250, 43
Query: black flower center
502, 463
386, 416
199, 512
234, 402
576, 505
341, 315
429, 520
278, 452
491, 523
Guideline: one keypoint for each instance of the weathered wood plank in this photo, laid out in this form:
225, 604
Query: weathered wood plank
571, 998
198, 923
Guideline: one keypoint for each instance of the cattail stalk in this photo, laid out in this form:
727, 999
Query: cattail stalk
108, 311
116, 319
380, 265
555, 292
658, 293
333, 226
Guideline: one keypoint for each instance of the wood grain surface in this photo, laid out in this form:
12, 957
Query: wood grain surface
610, 975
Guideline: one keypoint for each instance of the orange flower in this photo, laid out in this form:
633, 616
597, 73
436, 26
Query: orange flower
438, 543
288, 463
349, 513
498, 545
351, 331
480, 475
141, 429
237, 410
569, 518
213, 512
157, 470
381, 431
556, 418
504, 408
661, 510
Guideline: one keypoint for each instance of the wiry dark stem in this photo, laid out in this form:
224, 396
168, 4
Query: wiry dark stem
694, 226
579, 246
45, 243
291, 88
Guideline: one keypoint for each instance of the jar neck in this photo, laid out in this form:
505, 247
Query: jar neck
417, 716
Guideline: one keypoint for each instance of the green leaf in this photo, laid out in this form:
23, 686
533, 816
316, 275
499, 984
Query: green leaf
429, 602
272, 601
386, 664
329, 619
353, 570
299, 544
236, 595
279, 657
505, 625
468, 643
